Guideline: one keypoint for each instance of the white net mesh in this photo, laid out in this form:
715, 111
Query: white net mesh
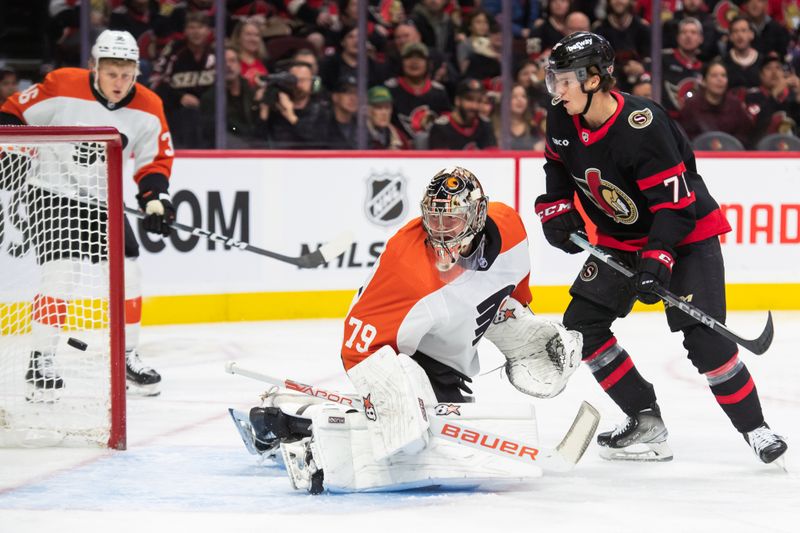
54, 286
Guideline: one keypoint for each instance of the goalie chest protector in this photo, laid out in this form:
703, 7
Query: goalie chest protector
406, 304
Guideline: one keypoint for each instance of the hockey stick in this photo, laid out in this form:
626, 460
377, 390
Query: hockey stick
757, 346
322, 255
561, 459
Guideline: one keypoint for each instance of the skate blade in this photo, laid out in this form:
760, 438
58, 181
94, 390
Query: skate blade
135, 389
780, 463
643, 452
245, 428
34, 394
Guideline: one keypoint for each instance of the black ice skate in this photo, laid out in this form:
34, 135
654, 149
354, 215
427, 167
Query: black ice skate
140, 378
42, 380
766, 444
642, 437
270, 424
267, 427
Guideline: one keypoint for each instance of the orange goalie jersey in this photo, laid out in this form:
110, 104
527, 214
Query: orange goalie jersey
67, 97
406, 304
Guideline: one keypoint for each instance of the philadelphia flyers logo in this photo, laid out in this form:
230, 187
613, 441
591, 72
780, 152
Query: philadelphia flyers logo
609, 198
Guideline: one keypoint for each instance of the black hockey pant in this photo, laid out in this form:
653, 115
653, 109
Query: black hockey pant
600, 295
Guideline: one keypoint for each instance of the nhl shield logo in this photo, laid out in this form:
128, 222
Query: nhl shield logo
386, 201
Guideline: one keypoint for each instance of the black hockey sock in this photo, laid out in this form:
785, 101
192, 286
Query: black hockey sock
735, 391
613, 369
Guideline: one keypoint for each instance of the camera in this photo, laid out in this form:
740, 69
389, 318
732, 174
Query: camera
281, 82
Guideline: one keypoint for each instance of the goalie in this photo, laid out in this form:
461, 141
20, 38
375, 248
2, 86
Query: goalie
444, 281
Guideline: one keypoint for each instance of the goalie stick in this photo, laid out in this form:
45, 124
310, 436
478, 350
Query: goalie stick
561, 459
322, 255
758, 346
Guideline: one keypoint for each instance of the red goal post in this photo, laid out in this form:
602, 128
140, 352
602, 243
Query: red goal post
61, 254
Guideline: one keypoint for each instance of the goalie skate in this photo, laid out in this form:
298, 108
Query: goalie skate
266, 450
301, 467
642, 437
42, 380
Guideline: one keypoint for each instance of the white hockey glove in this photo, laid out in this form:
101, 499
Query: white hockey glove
541, 354
395, 391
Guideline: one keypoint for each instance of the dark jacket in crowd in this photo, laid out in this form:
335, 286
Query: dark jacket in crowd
699, 116
241, 117
309, 132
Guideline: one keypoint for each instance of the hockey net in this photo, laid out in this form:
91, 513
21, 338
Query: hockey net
62, 360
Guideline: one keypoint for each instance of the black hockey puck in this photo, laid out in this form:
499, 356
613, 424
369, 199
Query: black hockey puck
77, 344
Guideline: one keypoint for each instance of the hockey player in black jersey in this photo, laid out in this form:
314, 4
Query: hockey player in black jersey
634, 173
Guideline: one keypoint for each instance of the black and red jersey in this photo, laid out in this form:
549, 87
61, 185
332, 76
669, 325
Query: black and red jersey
682, 77
448, 134
415, 109
635, 176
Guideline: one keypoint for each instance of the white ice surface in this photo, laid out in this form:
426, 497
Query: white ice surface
186, 470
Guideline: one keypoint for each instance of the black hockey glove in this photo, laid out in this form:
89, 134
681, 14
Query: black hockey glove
655, 269
559, 220
159, 212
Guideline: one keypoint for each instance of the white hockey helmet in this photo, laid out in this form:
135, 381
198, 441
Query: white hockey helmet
453, 214
113, 44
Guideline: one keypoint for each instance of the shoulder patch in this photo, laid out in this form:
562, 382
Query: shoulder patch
641, 118
390, 83
442, 120
436, 85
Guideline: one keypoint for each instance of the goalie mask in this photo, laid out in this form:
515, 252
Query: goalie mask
454, 215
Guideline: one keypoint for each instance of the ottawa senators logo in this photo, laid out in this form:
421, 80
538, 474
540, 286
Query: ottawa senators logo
419, 120
589, 271
679, 92
608, 197
640, 118
724, 13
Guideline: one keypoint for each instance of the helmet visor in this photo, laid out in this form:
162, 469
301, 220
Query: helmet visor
559, 82
445, 226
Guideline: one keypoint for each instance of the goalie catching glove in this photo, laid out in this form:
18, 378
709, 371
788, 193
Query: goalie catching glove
541, 354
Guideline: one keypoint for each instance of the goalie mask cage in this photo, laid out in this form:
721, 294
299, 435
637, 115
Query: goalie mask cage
62, 279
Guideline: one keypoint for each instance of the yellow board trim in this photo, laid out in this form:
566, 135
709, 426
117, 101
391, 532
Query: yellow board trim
192, 309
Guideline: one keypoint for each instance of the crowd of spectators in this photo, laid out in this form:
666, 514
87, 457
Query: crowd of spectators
434, 66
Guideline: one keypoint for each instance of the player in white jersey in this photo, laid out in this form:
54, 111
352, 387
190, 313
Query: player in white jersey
411, 337
104, 95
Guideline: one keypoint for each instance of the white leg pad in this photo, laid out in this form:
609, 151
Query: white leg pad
395, 390
342, 448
